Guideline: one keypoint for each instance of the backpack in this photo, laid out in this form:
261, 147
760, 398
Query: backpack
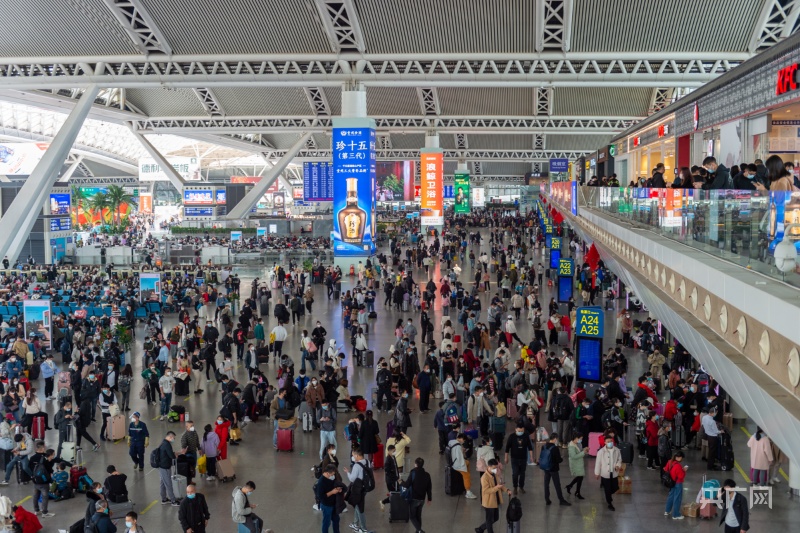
383, 377
318, 471
40, 476
514, 511
451, 415
240, 337
537, 322
295, 399
606, 419
369, 479
561, 410
666, 476
663, 445
545, 459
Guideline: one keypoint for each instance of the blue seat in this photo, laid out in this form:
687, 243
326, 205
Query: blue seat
3, 310
107, 311
13, 310
140, 312
123, 312
45, 296
153, 307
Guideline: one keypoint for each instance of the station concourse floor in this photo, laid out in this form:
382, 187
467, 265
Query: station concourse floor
284, 480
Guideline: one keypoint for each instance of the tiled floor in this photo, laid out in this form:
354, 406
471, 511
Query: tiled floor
284, 481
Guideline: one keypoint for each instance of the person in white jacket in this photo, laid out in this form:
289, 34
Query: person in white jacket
459, 463
607, 468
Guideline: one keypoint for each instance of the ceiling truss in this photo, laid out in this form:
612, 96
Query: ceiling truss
384, 141
428, 101
553, 25
340, 20
461, 141
318, 101
538, 141
661, 98
210, 102
472, 155
584, 125
543, 104
92, 181
477, 168
191, 72
140, 26
777, 21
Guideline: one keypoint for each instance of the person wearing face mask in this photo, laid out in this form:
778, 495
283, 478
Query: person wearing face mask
166, 458
193, 513
166, 385
607, 467
101, 520
402, 413
90, 390
62, 422
132, 523
242, 509
114, 486
491, 497
326, 417
576, 464
328, 489
190, 441
82, 424
315, 395
677, 472
106, 399
519, 449
138, 440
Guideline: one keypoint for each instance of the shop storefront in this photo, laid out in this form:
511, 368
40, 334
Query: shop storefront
647, 148
605, 163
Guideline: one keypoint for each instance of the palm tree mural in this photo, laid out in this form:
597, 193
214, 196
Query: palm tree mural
79, 204
97, 204
117, 197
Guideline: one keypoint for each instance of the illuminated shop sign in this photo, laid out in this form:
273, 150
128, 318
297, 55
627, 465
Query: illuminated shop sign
787, 79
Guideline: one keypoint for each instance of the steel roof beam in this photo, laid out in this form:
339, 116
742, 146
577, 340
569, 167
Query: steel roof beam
428, 101
501, 125
218, 72
318, 101
777, 21
209, 101
469, 154
340, 19
140, 26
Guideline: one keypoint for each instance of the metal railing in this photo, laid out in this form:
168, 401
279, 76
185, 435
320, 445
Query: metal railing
742, 227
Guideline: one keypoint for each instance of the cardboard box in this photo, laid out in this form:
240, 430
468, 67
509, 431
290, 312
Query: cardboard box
625, 486
690, 510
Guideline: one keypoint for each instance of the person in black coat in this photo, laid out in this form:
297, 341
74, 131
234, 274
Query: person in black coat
82, 424
739, 506
193, 513
421, 488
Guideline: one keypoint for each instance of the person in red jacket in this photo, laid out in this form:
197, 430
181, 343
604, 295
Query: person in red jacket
29, 521
694, 430
677, 472
651, 433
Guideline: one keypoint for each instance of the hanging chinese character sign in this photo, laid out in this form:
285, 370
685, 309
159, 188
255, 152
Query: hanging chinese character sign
431, 191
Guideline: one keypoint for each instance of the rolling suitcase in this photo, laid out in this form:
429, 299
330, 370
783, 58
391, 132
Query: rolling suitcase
285, 440
511, 408
398, 508
563, 338
389, 429
182, 387
453, 482
179, 485
115, 430
725, 454
378, 457
626, 451
594, 443
37, 428
22, 475
68, 452
225, 470
308, 422
369, 358
709, 494
514, 527
77, 471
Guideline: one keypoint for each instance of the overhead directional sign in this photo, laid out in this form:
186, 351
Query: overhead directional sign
589, 322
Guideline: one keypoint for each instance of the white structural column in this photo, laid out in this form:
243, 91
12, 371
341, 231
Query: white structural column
18, 220
75, 162
172, 174
794, 478
242, 209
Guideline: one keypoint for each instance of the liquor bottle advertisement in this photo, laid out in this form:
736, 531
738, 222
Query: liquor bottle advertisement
353, 191
462, 196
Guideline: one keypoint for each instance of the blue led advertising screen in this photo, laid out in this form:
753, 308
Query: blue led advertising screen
353, 192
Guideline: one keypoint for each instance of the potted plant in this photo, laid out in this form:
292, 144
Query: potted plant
123, 335
234, 299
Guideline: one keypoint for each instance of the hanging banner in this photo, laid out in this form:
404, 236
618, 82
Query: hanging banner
261, 232
36, 314
19, 159
461, 180
354, 166
279, 201
431, 206
478, 197
149, 287
187, 167
145, 202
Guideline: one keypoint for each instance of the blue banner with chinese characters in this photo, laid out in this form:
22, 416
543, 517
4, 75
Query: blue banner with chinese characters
353, 192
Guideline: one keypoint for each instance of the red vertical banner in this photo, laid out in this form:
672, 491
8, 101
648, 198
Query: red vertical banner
431, 190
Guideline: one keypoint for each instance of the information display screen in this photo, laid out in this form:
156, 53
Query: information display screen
589, 360
565, 285
555, 259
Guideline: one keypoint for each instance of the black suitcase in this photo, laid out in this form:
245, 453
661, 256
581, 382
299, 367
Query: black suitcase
398, 508
373, 314
263, 354
182, 387
22, 475
5, 458
725, 453
626, 451
453, 482
497, 441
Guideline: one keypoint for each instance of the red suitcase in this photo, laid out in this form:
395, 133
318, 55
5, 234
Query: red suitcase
37, 428
594, 443
378, 457
75, 474
285, 440
511, 408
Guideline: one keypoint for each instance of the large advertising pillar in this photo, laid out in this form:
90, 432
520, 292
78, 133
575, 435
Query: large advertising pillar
462, 192
36, 320
354, 161
431, 172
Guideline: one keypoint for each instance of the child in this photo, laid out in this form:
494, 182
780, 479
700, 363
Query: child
61, 484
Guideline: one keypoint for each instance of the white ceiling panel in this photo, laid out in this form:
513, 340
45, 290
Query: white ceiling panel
392, 101
601, 101
575, 141
663, 26
166, 102
485, 141
61, 28
484, 101
240, 26
248, 101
